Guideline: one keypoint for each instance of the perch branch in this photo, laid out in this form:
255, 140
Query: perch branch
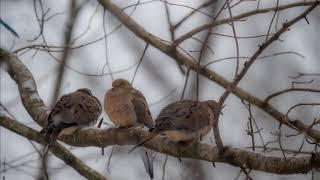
57, 149
107, 137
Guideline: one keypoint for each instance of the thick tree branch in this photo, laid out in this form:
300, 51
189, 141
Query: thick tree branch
57, 149
26, 85
232, 156
181, 58
107, 137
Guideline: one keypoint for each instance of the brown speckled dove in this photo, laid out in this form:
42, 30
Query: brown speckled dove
184, 121
72, 111
126, 108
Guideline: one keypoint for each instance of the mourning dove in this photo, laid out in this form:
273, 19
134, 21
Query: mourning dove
72, 111
126, 108
184, 121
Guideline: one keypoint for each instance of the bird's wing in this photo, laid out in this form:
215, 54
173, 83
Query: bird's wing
62, 104
56, 118
141, 109
171, 117
186, 115
85, 110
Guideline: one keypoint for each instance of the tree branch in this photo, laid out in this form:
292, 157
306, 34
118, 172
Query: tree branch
179, 57
266, 44
238, 17
57, 149
107, 137
289, 90
26, 85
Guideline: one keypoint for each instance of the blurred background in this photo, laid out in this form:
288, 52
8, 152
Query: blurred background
107, 50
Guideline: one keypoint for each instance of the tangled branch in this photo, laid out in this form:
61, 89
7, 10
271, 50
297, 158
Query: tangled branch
107, 137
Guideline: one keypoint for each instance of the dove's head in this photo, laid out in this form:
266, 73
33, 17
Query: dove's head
85, 90
121, 83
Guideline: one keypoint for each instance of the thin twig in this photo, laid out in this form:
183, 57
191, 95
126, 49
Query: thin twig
235, 39
65, 55
267, 99
140, 61
164, 167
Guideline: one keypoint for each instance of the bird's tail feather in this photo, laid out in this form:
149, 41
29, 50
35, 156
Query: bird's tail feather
147, 161
151, 136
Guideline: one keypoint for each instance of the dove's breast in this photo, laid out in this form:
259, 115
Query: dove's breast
119, 107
